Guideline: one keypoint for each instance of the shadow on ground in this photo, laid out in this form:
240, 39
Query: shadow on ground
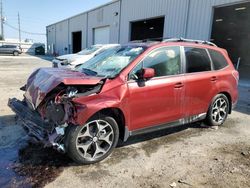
161, 133
25, 164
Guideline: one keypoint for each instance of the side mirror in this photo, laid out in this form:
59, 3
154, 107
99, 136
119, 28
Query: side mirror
148, 73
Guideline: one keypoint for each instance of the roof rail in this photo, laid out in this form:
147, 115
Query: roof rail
189, 40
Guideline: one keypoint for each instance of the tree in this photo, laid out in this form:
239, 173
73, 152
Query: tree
1, 38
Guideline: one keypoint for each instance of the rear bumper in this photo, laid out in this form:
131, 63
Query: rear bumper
30, 120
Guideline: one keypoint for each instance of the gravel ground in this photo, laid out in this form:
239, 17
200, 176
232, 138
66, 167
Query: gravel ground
187, 156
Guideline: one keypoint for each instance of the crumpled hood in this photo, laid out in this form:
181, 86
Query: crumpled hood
44, 80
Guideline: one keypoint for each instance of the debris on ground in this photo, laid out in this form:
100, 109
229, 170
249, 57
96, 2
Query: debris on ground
173, 185
215, 127
245, 153
184, 182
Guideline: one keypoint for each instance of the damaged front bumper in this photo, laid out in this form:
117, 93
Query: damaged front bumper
37, 128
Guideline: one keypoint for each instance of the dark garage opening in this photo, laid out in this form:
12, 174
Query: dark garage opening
231, 30
77, 41
147, 29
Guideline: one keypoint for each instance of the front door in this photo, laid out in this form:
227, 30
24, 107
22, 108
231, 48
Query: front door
158, 100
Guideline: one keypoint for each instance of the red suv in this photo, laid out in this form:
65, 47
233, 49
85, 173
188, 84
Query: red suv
126, 91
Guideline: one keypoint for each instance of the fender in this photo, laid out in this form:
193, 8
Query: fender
86, 107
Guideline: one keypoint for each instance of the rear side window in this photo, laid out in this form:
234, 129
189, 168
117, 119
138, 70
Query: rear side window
218, 59
197, 60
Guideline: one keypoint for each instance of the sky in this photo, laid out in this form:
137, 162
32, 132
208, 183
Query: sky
35, 15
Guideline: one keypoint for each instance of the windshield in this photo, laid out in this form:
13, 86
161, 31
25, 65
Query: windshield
89, 50
111, 62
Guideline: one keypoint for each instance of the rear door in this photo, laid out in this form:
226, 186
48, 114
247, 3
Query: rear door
158, 100
200, 85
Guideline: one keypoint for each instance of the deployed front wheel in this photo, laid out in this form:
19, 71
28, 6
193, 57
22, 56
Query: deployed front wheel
92, 142
218, 110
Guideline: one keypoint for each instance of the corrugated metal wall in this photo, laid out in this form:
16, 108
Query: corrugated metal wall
62, 40
201, 16
174, 11
51, 38
78, 23
183, 18
104, 16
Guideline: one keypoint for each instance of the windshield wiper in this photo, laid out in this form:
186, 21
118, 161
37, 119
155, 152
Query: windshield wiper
89, 72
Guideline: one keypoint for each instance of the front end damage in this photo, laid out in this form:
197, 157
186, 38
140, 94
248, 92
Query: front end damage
47, 123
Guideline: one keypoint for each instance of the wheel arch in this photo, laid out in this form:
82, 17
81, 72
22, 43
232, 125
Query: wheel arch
119, 117
15, 51
229, 100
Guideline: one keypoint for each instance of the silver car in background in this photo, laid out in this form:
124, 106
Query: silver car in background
10, 49
72, 61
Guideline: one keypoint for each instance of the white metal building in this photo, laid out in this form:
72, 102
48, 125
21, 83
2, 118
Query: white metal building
225, 22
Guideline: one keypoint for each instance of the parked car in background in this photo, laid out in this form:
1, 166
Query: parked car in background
134, 89
71, 61
10, 49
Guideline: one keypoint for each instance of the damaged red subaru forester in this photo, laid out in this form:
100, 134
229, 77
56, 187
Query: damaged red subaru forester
129, 90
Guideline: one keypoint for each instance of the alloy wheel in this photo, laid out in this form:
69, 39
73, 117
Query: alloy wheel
95, 139
219, 110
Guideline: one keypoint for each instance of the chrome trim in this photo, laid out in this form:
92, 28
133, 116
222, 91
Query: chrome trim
190, 41
179, 122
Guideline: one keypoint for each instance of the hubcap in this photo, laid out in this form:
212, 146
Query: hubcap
95, 139
219, 110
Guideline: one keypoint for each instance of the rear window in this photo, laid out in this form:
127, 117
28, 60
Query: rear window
218, 59
197, 60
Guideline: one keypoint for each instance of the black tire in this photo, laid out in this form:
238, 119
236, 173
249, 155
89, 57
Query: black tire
15, 53
72, 138
216, 120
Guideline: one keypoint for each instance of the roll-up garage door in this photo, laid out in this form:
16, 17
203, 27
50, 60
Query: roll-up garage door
101, 35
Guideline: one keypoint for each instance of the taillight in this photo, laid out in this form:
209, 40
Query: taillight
236, 75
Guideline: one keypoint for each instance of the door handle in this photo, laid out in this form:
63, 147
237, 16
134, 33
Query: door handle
179, 85
214, 79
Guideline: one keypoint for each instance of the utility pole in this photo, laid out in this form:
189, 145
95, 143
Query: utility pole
19, 29
2, 20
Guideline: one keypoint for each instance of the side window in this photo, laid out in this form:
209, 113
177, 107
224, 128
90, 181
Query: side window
165, 61
218, 59
134, 73
197, 60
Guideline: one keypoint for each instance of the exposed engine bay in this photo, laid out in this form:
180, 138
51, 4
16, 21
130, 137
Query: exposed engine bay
54, 114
